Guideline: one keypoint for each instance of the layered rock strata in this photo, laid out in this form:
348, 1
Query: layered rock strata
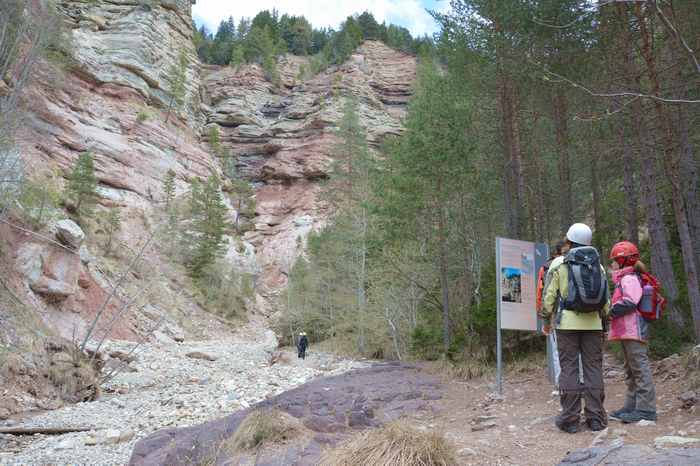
283, 139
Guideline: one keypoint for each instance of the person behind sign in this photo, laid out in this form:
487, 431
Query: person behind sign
543, 279
577, 299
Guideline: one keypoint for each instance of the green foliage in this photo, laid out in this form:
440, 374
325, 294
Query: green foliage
169, 188
225, 291
176, 78
269, 35
38, 202
143, 116
237, 56
113, 224
214, 140
81, 191
204, 238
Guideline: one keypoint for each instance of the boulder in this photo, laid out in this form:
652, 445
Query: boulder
69, 233
201, 355
52, 289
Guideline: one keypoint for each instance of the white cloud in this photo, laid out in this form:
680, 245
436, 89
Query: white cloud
321, 13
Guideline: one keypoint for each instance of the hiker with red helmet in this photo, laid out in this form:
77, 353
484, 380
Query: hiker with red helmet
630, 328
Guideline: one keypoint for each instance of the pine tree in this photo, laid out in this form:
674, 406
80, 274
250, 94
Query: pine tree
112, 227
204, 237
177, 80
81, 191
169, 188
215, 140
237, 57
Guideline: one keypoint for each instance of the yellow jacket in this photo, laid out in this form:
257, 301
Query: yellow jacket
557, 284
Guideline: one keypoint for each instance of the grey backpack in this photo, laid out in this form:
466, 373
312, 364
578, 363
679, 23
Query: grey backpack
588, 284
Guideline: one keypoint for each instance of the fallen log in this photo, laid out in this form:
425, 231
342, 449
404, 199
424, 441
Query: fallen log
45, 430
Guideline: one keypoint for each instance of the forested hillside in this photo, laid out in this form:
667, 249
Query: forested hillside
527, 117
269, 35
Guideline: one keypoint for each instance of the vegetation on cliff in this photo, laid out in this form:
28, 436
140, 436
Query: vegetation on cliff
526, 118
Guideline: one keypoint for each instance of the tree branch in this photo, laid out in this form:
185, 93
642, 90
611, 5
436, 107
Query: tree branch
674, 32
620, 94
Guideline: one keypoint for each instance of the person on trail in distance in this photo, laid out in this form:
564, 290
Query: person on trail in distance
577, 297
302, 345
632, 330
543, 279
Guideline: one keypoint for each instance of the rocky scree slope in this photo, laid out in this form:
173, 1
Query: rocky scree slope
167, 386
120, 54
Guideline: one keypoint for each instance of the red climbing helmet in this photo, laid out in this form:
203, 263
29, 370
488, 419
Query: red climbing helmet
625, 253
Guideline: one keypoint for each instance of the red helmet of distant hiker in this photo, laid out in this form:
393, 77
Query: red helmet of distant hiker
625, 253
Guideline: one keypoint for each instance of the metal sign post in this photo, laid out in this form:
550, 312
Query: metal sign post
499, 351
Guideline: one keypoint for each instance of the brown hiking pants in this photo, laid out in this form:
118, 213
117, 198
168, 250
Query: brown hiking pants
641, 394
589, 344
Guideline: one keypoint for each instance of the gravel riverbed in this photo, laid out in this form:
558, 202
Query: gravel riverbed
167, 389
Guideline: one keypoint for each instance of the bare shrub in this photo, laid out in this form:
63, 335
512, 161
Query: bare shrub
396, 444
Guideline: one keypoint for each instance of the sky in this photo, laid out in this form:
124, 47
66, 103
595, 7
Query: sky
411, 14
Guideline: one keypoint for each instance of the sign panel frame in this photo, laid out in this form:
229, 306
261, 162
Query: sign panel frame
517, 265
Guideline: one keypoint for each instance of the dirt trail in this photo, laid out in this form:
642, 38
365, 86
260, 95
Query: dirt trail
519, 429
516, 429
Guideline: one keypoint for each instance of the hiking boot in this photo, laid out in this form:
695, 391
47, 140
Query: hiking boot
568, 427
616, 414
638, 415
595, 425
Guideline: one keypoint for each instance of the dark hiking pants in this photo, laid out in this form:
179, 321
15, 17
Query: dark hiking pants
302, 353
641, 394
588, 343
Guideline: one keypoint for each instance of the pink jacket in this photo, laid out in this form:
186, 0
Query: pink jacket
627, 323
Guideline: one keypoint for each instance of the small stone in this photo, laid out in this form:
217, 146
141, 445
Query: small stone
467, 452
201, 355
483, 426
645, 423
85, 256
674, 440
620, 432
688, 399
69, 233
485, 418
600, 438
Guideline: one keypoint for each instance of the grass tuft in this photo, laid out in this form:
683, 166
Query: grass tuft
263, 427
395, 444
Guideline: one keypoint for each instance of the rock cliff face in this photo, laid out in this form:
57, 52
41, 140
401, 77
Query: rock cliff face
111, 98
283, 139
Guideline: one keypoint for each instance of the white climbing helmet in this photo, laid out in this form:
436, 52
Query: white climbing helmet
580, 233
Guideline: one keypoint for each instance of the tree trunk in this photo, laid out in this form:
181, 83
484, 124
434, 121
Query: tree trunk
444, 278
541, 224
672, 163
516, 157
689, 165
595, 190
560, 114
629, 185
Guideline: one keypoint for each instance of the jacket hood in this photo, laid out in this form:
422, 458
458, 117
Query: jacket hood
618, 274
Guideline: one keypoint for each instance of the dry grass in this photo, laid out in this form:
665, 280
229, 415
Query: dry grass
395, 444
71, 371
264, 427
691, 362
461, 370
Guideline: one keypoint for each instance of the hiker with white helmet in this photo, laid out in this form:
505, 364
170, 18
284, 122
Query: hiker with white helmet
576, 302
302, 345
